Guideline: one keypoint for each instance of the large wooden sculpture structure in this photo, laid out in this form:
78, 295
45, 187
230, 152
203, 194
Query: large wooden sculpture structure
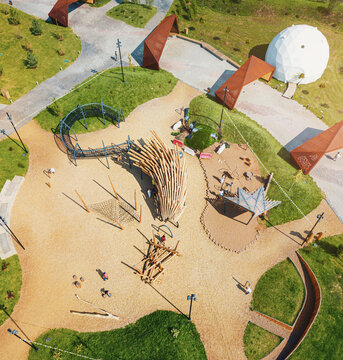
308, 154
167, 170
155, 260
155, 42
59, 12
253, 69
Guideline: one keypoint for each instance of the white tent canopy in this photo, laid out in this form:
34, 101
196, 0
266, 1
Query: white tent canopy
299, 53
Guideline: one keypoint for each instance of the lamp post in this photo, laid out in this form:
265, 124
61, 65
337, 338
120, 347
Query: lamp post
319, 218
3, 223
15, 333
221, 117
10, 119
191, 298
121, 63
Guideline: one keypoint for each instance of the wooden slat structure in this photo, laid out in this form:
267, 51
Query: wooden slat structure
158, 255
167, 170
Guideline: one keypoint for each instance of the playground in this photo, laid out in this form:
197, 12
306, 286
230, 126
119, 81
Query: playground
108, 201
70, 241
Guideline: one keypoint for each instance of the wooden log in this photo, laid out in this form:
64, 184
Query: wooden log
115, 193
140, 214
84, 204
135, 200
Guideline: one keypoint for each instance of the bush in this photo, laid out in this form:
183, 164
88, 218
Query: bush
14, 18
55, 108
36, 28
1, 70
31, 61
149, 3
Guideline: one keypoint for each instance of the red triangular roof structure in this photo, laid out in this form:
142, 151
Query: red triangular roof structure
253, 69
155, 42
60, 10
308, 154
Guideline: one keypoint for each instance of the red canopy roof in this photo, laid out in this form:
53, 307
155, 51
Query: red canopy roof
155, 42
254, 68
60, 10
308, 154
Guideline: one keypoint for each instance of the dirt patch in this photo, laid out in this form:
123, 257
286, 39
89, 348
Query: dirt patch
227, 225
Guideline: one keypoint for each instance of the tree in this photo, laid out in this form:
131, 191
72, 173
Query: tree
149, 3
14, 18
31, 61
36, 28
55, 108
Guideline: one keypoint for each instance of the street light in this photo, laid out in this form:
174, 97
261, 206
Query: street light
319, 217
221, 117
15, 333
191, 298
3, 223
121, 63
10, 119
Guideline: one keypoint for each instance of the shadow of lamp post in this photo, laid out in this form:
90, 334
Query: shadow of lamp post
15, 333
191, 298
221, 117
3, 223
10, 119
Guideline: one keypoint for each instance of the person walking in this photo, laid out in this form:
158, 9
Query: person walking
337, 156
105, 276
105, 293
51, 171
163, 238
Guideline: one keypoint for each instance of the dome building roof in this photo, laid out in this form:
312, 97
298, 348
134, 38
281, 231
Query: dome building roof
299, 53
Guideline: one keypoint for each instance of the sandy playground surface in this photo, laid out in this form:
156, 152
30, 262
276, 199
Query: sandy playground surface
62, 239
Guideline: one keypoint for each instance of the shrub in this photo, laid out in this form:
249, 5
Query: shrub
21, 165
55, 108
149, 3
27, 46
322, 85
228, 29
14, 18
31, 61
36, 28
1, 70
4, 11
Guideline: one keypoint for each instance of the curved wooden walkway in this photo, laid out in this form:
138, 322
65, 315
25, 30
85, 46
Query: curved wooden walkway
293, 335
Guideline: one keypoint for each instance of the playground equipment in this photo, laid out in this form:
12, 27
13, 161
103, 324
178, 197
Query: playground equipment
155, 42
157, 255
59, 12
167, 170
117, 210
81, 112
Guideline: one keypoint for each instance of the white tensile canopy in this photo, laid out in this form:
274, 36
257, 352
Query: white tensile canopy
299, 53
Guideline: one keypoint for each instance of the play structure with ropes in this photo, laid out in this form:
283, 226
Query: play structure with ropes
81, 113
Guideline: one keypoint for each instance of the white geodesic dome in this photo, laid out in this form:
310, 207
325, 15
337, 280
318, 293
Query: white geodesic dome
299, 49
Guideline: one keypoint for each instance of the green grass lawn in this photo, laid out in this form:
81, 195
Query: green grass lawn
15, 40
201, 139
239, 30
99, 3
305, 193
259, 342
280, 292
133, 14
143, 85
324, 340
10, 280
149, 338
12, 161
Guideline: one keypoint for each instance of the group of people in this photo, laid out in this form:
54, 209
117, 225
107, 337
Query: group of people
152, 192
105, 292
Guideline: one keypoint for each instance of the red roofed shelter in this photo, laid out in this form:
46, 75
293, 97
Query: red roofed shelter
253, 69
60, 10
155, 42
308, 154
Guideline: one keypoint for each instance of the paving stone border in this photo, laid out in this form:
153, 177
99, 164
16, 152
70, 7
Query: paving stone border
7, 197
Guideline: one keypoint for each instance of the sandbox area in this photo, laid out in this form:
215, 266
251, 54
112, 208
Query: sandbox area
230, 227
